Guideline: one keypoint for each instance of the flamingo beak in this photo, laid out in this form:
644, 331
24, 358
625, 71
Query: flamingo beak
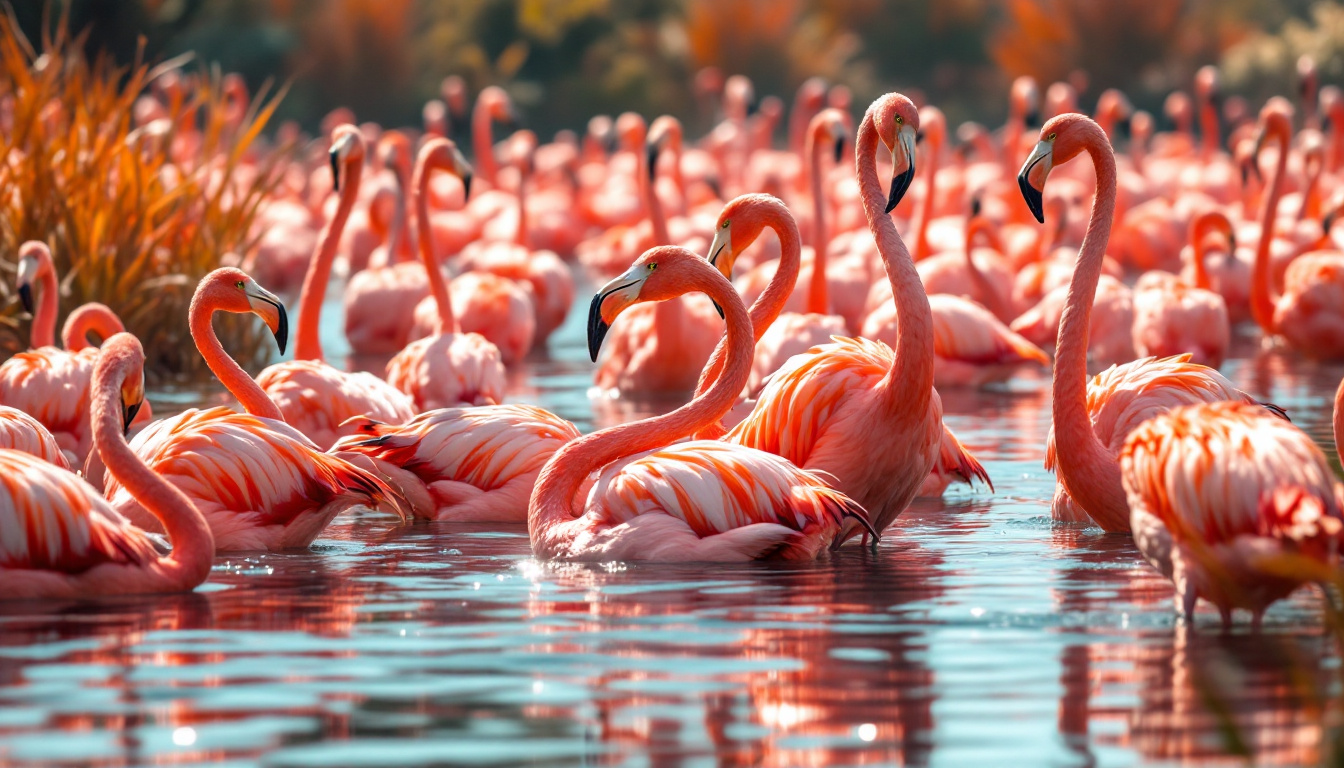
340, 149
128, 412
26, 297
269, 308
610, 301
721, 254
651, 157
466, 185
27, 275
1031, 179
903, 166
1033, 118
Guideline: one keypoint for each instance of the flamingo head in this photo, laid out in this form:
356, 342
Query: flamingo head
496, 103
231, 290
1062, 138
122, 356
830, 125
1024, 99
897, 123
1276, 122
659, 274
740, 223
347, 149
439, 152
34, 264
664, 133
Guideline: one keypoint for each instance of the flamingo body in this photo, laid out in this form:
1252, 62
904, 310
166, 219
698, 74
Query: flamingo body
317, 399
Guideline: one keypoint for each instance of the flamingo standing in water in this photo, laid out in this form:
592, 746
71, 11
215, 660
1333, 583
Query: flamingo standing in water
1217, 491
656, 500
314, 397
46, 382
63, 541
824, 410
1309, 315
446, 368
292, 489
1091, 419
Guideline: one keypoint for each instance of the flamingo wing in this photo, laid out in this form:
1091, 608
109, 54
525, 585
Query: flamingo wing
317, 398
21, 432
716, 488
52, 385
52, 520
967, 332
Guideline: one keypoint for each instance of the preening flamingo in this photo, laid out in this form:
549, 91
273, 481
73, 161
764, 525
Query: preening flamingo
828, 409
314, 397
1309, 315
292, 491
1091, 419
48, 383
1218, 491
63, 541
446, 368
657, 500
466, 464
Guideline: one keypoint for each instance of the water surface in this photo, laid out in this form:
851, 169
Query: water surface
978, 634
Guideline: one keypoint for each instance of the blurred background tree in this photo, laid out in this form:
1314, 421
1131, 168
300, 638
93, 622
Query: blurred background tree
565, 60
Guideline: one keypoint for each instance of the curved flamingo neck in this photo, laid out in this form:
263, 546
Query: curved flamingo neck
483, 141
926, 205
44, 319
1309, 194
521, 237
766, 309
438, 287
1199, 252
818, 302
89, 318
193, 544
308, 339
1262, 288
554, 499
908, 386
1338, 421
1208, 125
243, 387
1088, 469
978, 225
657, 219
1012, 137
398, 237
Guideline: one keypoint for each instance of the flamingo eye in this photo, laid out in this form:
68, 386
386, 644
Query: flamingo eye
725, 225
1051, 137
238, 285
653, 266
899, 120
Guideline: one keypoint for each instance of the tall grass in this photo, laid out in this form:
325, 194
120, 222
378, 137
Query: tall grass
134, 215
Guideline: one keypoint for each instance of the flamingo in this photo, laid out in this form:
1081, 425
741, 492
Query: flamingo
1217, 491
476, 464
21, 432
90, 317
824, 409
656, 500
1221, 271
446, 368
49, 383
1309, 315
292, 490
1092, 419
314, 397
1172, 316
63, 541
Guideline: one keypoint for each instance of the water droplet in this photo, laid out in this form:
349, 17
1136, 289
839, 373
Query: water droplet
866, 732
184, 736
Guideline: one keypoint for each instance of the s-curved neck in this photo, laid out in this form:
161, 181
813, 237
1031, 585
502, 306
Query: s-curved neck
438, 287
818, 302
767, 307
926, 205
89, 318
243, 387
553, 501
657, 218
308, 340
44, 319
483, 141
1263, 291
1090, 472
908, 386
193, 544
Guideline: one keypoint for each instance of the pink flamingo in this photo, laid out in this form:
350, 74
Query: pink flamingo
1309, 315
314, 397
21, 432
823, 409
1173, 317
1092, 419
1223, 271
49, 383
291, 489
63, 541
446, 368
1217, 491
656, 500
659, 347
464, 464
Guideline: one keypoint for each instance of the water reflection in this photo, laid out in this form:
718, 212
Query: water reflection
978, 632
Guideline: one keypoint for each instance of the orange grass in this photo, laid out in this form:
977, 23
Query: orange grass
135, 216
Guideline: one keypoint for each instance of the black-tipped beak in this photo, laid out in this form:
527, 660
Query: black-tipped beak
282, 328
1328, 222
651, 157
335, 171
597, 327
26, 297
839, 149
899, 184
1033, 118
714, 186
1033, 198
466, 186
1125, 127
717, 308
976, 205
128, 415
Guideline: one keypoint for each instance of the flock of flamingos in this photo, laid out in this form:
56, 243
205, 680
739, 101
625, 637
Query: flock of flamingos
815, 417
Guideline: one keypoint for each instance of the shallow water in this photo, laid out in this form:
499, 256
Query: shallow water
978, 634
